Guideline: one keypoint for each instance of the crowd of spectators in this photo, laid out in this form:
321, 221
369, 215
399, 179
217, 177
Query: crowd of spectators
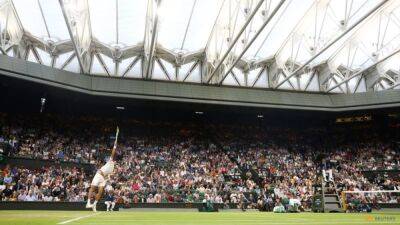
162, 161
44, 184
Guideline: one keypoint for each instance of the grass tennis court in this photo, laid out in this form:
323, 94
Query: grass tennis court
187, 218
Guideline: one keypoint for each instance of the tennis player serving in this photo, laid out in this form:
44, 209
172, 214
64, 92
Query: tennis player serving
101, 177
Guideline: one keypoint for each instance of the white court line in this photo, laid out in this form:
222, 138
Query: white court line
78, 218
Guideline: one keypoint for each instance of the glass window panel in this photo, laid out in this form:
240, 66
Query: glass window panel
174, 15
262, 81
61, 59
352, 83
183, 70
361, 87
109, 64
320, 25
352, 56
391, 63
336, 79
293, 80
44, 56
374, 40
30, 16
239, 75
103, 20
73, 66
131, 21
279, 28
170, 69
136, 71
123, 65
286, 84
335, 90
252, 76
230, 80
54, 18
10, 53
158, 73
195, 75
201, 26
379, 87
314, 85
304, 78
97, 68
310, 35
355, 9
31, 57
228, 25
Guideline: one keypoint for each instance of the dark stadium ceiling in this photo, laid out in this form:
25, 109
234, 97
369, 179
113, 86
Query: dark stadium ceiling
335, 46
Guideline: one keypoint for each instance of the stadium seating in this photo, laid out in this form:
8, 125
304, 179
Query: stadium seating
160, 161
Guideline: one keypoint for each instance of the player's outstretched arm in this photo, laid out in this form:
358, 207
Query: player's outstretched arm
114, 149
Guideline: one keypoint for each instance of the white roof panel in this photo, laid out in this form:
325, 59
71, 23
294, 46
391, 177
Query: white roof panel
297, 33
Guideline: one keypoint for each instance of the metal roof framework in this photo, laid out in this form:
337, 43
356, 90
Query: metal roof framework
332, 46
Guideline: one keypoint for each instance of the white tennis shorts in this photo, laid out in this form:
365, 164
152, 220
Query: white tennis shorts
98, 180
